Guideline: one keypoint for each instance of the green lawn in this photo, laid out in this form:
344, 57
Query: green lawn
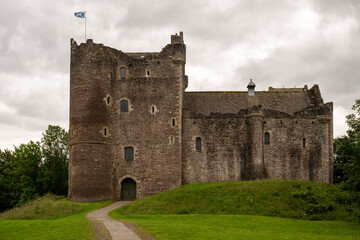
275, 198
227, 227
49, 219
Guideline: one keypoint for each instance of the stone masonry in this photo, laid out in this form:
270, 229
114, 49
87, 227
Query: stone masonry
135, 131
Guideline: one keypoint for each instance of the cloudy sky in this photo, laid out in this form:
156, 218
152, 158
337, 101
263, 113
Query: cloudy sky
276, 43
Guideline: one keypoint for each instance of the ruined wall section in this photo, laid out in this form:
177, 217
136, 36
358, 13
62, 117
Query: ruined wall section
90, 144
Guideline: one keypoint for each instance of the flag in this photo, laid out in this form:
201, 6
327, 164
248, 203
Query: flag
80, 14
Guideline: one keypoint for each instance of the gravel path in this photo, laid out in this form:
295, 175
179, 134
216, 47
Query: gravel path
117, 230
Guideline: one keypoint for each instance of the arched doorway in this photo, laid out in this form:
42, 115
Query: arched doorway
128, 190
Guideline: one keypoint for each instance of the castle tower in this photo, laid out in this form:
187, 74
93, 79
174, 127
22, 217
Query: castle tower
125, 121
91, 146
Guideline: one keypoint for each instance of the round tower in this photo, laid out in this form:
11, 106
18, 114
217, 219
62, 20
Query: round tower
90, 117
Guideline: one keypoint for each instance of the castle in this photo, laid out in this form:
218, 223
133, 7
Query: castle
135, 131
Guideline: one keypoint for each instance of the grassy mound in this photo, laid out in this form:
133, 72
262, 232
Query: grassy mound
46, 207
290, 199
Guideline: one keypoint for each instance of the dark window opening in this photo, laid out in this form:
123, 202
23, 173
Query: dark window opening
198, 144
124, 106
267, 138
122, 73
108, 100
304, 142
152, 109
105, 132
147, 73
173, 122
129, 153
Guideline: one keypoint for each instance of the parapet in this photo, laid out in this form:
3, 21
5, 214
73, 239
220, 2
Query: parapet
177, 38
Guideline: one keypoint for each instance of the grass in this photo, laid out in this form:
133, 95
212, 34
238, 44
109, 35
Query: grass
181, 227
270, 209
48, 218
288, 199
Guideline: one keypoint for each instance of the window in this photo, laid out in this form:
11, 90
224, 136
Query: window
267, 138
106, 131
198, 144
129, 153
123, 73
173, 122
108, 100
304, 142
124, 106
152, 109
147, 73
171, 140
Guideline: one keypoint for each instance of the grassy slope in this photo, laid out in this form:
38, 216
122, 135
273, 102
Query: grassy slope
290, 199
244, 227
49, 218
212, 211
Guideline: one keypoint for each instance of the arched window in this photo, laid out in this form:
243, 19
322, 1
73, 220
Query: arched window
129, 153
198, 144
267, 138
124, 106
123, 73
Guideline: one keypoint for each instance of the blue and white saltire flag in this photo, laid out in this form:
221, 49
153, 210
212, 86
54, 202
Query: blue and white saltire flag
80, 14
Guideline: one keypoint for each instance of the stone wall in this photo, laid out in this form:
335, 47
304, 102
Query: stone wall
183, 137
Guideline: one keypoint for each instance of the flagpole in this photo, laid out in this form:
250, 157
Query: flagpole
85, 26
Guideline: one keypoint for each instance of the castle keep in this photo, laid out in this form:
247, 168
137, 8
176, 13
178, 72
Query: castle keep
135, 131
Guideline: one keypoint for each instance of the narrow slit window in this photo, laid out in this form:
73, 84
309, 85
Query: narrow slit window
152, 109
147, 73
105, 131
172, 139
267, 138
124, 106
129, 153
108, 100
198, 144
304, 142
173, 122
123, 73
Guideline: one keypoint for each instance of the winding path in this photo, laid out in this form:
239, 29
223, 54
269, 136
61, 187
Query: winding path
117, 230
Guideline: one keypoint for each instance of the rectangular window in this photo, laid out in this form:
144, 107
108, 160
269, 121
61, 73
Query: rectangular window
198, 144
129, 153
122, 73
304, 142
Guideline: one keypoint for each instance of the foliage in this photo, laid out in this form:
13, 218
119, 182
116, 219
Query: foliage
55, 152
34, 169
290, 199
347, 153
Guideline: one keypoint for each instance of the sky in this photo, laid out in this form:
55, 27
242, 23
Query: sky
278, 43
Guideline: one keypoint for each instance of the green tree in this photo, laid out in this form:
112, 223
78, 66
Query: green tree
27, 160
55, 153
9, 189
347, 152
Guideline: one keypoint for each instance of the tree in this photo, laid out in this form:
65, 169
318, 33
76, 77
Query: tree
347, 152
9, 193
34, 169
55, 153
27, 160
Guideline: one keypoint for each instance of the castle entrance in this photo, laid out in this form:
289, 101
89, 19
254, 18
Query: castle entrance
128, 190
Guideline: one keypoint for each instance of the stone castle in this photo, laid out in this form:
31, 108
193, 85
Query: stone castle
135, 131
